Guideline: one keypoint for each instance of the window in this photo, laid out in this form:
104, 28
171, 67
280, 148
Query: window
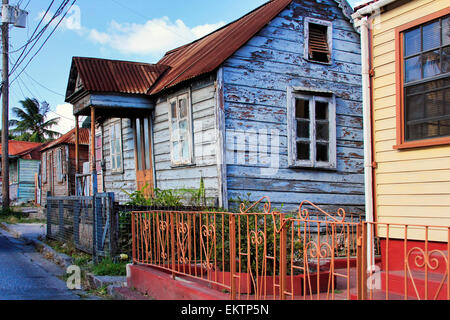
423, 107
312, 130
59, 165
318, 40
115, 144
44, 167
181, 148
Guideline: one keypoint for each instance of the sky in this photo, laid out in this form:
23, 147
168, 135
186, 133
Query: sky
134, 30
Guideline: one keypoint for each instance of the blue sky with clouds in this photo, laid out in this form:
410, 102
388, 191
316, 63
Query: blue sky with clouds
137, 30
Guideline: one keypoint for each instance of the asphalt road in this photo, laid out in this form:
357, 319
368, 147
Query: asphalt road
26, 275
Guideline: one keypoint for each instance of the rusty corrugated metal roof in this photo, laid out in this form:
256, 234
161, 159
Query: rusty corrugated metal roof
69, 138
18, 148
208, 53
103, 75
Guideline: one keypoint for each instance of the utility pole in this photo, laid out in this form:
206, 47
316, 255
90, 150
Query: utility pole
10, 15
5, 110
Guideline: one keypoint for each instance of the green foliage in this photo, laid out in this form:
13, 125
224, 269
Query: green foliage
169, 197
31, 123
107, 267
160, 198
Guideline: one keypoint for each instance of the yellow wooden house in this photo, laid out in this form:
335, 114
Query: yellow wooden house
405, 48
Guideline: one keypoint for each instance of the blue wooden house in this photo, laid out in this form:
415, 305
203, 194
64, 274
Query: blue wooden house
24, 162
268, 105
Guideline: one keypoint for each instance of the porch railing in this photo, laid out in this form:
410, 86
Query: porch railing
312, 254
254, 255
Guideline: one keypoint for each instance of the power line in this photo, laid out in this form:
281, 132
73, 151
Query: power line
40, 84
42, 45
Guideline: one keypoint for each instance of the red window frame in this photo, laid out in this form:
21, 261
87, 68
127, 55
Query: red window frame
400, 103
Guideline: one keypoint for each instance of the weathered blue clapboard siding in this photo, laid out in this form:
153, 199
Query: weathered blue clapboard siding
255, 84
203, 98
124, 181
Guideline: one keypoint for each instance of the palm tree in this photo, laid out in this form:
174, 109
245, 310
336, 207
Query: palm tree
32, 124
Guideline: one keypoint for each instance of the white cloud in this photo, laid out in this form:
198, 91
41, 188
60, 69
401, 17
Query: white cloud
156, 36
72, 20
66, 118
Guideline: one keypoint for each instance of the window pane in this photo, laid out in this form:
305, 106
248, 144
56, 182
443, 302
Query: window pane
415, 89
322, 152
434, 104
446, 59
322, 131
302, 150
412, 69
183, 108
431, 35
185, 150
431, 64
303, 129
176, 151
146, 143
175, 131
446, 31
415, 107
173, 107
423, 130
119, 161
412, 42
447, 102
113, 163
444, 128
321, 110
183, 127
301, 108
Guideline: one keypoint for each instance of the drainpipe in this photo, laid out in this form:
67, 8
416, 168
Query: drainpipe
367, 127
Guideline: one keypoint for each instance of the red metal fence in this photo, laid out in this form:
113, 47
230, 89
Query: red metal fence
270, 255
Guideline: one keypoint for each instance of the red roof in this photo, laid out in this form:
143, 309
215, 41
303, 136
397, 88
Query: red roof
22, 149
102, 75
69, 138
208, 53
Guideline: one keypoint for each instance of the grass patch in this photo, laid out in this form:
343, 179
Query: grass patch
107, 267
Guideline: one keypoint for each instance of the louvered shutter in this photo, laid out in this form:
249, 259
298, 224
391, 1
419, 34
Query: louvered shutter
318, 42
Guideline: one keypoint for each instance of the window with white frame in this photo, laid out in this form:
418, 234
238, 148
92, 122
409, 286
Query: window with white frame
181, 145
115, 144
312, 130
318, 40
59, 165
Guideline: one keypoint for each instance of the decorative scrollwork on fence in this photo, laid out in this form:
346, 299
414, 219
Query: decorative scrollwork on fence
182, 234
257, 238
163, 225
209, 231
266, 208
303, 213
321, 251
427, 260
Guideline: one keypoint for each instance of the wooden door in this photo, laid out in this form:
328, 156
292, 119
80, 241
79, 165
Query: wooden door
143, 155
